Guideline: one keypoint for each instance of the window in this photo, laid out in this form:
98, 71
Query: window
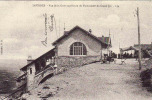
78, 48
30, 70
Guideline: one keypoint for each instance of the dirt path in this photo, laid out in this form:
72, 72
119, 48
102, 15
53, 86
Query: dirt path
97, 82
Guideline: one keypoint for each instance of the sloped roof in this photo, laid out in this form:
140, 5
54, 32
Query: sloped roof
144, 46
52, 52
77, 27
65, 32
106, 40
129, 48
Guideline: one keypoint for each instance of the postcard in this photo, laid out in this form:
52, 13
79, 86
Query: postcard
75, 50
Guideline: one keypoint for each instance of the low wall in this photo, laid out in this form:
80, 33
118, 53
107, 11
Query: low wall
75, 61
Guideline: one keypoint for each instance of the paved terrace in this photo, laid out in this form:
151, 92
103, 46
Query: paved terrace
95, 82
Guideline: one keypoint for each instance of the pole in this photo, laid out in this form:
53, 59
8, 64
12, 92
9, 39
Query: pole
64, 26
59, 27
139, 55
108, 50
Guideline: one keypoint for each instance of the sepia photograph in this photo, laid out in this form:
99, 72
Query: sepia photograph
75, 50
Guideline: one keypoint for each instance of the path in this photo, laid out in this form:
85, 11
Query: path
97, 82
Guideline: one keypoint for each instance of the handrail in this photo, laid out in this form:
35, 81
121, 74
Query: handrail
45, 69
21, 76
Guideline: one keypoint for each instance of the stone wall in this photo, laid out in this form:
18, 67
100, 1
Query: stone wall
38, 78
62, 61
75, 61
30, 77
65, 62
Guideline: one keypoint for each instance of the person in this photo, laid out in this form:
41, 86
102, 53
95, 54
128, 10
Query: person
131, 55
124, 55
103, 60
127, 55
119, 56
109, 59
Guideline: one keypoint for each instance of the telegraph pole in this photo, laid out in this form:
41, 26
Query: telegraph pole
139, 55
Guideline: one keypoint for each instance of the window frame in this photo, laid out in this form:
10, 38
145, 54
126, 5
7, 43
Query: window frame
78, 49
31, 71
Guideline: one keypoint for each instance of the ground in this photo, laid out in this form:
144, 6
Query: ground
94, 82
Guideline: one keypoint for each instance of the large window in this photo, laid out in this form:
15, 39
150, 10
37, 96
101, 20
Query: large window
78, 48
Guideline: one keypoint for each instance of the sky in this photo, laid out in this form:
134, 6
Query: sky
22, 25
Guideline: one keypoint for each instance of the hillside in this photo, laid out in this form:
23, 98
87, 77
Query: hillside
94, 82
9, 71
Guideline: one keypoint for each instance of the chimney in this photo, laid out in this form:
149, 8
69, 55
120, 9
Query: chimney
66, 32
90, 31
29, 59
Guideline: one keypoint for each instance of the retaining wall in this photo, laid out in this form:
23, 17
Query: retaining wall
69, 61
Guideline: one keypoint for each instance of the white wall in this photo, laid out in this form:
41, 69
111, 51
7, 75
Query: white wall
92, 45
30, 77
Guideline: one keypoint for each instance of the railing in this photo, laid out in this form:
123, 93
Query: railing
50, 67
21, 77
49, 62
